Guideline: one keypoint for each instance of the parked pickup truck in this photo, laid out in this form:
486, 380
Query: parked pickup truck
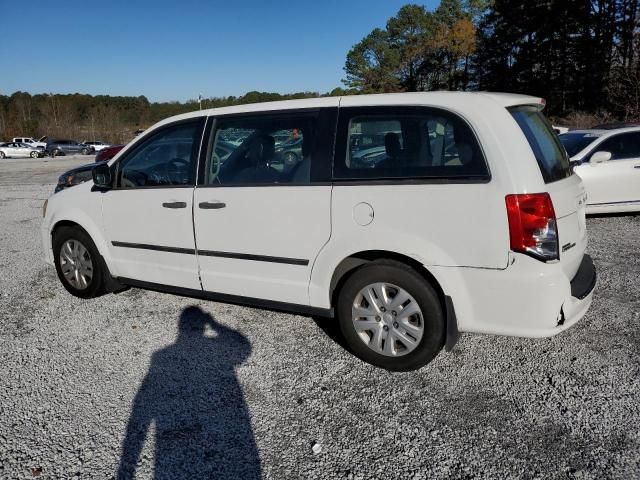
42, 142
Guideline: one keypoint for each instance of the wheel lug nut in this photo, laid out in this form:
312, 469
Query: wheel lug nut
377, 318
395, 324
385, 328
394, 313
382, 309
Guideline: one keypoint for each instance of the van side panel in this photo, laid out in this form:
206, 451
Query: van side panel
449, 223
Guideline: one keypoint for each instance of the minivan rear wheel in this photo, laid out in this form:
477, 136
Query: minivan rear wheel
391, 316
78, 262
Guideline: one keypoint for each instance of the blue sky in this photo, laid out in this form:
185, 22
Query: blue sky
175, 50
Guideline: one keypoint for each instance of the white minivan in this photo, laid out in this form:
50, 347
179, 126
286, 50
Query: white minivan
409, 217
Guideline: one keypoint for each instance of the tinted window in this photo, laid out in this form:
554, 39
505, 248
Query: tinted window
405, 142
625, 145
261, 150
574, 143
549, 152
166, 158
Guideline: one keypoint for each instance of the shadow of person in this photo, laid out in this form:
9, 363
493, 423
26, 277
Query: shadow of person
192, 396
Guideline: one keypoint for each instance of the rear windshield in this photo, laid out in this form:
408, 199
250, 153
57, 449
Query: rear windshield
574, 143
549, 152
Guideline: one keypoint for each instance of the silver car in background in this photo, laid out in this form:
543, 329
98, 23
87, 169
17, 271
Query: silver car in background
17, 150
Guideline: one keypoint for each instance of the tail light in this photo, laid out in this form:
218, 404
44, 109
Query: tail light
532, 225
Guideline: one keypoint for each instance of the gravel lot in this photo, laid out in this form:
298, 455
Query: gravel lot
206, 390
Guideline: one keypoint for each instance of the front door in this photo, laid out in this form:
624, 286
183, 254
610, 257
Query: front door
148, 215
616, 181
261, 213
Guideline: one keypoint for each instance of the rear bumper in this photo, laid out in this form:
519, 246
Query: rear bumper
527, 299
585, 280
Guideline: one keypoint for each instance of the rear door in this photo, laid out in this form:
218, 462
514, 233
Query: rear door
565, 188
260, 219
148, 215
616, 181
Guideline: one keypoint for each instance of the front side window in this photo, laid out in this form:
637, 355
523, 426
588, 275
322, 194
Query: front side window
166, 158
622, 146
261, 150
549, 152
421, 143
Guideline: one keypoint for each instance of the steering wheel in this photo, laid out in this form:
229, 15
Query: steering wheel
178, 171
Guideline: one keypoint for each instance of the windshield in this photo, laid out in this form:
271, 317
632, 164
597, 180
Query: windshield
574, 143
551, 157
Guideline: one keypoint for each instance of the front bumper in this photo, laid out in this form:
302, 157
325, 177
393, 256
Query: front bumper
46, 244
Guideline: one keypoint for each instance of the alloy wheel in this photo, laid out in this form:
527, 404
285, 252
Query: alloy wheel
76, 264
387, 319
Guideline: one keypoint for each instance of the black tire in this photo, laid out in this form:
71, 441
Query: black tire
85, 151
2, 155
95, 287
407, 278
290, 159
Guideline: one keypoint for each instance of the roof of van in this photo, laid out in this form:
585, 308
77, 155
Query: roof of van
409, 98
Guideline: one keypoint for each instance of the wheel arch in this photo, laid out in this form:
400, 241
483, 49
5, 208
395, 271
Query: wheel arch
110, 284
87, 225
350, 264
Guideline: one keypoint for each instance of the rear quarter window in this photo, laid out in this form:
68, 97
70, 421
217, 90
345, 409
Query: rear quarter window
410, 143
549, 152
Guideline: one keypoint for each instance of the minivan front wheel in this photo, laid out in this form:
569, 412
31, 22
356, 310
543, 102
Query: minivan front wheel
78, 262
391, 316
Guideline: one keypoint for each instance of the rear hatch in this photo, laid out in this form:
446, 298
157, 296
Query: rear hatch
565, 188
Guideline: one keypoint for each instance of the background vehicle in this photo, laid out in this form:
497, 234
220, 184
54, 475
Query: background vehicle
609, 165
75, 176
66, 147
15, 150
446, 233
31, 142
97, 146
289, 152
108, 153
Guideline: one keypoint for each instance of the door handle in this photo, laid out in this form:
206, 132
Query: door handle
175, 205
636, 166
211, 205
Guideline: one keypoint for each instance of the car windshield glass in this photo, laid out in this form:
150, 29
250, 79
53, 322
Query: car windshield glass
551, 157
574, 143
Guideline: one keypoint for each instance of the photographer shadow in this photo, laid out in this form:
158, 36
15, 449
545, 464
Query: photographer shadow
192, 396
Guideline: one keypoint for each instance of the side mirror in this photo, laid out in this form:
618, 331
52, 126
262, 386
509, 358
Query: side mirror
101, 175
600, 157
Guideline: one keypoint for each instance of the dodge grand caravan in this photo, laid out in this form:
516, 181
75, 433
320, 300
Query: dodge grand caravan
465, 216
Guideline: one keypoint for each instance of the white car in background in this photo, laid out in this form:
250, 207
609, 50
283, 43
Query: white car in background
42, 142
97, 146
609, 165
15, 150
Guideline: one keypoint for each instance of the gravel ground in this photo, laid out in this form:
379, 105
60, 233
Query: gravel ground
207, 390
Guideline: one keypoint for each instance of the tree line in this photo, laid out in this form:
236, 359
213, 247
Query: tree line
102, 117
582, 56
